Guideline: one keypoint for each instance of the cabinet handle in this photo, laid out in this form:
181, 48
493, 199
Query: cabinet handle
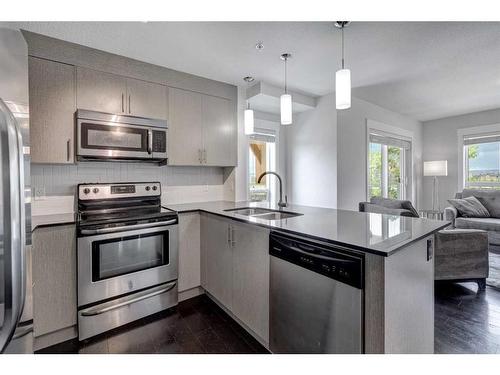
123, 103
233, 241
205, 156
68, 149
199, 156
129, 108
229, 234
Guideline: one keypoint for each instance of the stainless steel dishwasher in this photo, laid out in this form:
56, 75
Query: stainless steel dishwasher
316, 299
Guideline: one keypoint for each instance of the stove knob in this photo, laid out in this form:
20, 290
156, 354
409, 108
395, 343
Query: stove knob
155, 188
96, 190
86, 190
148, 188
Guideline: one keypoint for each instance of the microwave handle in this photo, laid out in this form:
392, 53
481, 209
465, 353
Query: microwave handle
150, 141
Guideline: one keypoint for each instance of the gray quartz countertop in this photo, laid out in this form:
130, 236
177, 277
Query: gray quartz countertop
52, 219
374, 233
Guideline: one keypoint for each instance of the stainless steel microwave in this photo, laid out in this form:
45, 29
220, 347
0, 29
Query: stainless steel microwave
104, 136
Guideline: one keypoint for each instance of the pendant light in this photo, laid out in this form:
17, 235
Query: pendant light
342, 77
249, 120
286, 98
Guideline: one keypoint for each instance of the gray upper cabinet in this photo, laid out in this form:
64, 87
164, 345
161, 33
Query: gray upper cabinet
99, 91
219, 134
52, 106
184, 128
111, 93
201, 130
146, 99
54, 279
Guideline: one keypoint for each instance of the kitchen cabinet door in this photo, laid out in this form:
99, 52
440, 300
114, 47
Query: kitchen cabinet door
99, 91
52, 98
218, 258
184, 129
146, 99
251, 277
219, 132
54, 279
189, 251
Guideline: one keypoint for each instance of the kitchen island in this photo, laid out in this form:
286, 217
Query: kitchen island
398, 279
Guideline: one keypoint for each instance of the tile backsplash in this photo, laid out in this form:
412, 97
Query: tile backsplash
62, 179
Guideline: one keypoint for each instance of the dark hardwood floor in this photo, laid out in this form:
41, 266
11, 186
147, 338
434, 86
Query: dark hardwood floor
466, 321
195, 326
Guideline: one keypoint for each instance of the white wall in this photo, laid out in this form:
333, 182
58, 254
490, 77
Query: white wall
311, 155
441, 143
352, 150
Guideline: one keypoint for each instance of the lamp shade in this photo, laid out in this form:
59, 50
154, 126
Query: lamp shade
343, 89
436, 168
286, 109
249, 123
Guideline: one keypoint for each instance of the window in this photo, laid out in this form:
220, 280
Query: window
482, 161
389, 166
261, 158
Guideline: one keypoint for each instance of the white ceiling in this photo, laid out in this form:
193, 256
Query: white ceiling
421, 69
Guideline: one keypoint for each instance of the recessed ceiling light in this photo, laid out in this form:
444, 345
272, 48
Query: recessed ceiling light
259, 46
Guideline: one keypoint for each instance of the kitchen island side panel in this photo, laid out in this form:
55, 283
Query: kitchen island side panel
409, 300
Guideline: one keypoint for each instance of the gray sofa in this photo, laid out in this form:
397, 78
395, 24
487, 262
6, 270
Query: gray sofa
491, 200
388, 206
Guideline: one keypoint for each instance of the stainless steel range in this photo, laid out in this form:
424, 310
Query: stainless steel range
127, 255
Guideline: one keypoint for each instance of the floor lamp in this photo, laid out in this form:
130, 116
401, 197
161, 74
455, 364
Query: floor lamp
435, 169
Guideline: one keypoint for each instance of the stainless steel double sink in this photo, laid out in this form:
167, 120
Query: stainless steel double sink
263, 213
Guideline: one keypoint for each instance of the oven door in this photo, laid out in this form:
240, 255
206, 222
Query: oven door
115, 264
109, 140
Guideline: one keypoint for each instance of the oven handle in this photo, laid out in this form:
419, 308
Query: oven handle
150, 141
99, 311
128, 227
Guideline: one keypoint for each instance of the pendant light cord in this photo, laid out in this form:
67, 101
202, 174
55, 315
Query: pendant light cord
286, 89
248, 102
342, 46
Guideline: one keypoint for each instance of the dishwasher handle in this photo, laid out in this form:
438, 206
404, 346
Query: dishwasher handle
334, 262
307, 250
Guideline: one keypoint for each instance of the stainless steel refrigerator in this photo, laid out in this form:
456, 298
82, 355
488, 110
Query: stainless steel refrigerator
16, 311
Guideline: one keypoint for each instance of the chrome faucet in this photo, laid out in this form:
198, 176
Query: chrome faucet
280, 203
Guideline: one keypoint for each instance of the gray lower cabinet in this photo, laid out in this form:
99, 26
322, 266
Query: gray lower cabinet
217, 258
189, 251
52, 98
54, 279
235, 269
251, 277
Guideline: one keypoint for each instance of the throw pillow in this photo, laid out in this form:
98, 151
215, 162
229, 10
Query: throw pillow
469, 207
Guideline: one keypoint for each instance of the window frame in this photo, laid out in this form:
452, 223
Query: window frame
270, 183
375, 127
466, 185
482, 130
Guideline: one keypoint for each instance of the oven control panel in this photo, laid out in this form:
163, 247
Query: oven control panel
119, 190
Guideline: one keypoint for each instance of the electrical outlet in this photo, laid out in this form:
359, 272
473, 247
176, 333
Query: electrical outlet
39, 193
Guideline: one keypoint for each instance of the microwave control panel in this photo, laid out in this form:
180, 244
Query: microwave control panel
159, 141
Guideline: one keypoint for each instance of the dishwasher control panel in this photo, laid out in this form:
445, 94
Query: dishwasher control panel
329, 260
